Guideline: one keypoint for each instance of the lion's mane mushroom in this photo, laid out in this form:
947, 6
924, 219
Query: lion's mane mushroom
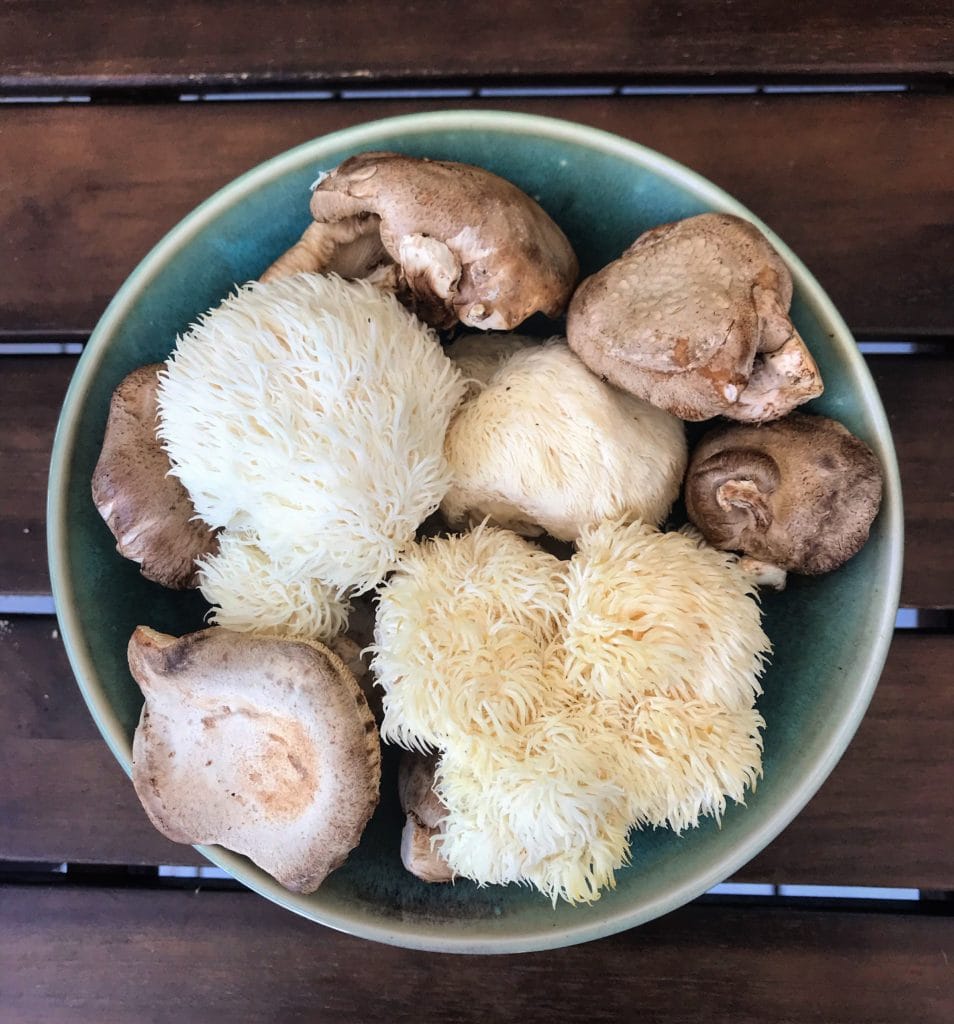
458, 242
694, 318
547, 446
420, 839
148, 511
461, 637
799, 494
252, 593
312, 411
264, 745
664, 636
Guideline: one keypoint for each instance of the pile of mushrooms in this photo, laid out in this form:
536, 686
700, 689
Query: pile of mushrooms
312, 454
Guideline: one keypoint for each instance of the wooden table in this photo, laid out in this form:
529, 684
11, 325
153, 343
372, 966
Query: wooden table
834, 121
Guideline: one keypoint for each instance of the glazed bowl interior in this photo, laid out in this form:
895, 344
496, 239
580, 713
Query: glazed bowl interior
830, 634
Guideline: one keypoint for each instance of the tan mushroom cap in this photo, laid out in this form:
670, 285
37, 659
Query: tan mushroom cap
148, 511
420, 853
693, 317
800, 493
457, 242
263, 745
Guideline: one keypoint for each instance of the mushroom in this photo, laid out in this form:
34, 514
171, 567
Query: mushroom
252, 593
480, 356
311, 411
547, 446
693, 317
264, 745
457, 242
665, 636
799, 494
148, 511
461, 637
420, 843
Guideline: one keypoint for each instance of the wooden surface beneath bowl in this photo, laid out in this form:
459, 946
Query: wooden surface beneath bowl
834, 124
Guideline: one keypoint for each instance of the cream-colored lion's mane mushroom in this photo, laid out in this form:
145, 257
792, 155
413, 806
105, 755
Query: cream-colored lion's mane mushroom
799, 494
252, 593
693, 317
544, 445
461, 637
262, 744
147, 509
312, 411
457, 242
664, 635
569, 703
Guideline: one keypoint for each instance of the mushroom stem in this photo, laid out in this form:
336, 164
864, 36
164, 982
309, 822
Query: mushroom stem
744, 494
781, 380
763, 574
350, 247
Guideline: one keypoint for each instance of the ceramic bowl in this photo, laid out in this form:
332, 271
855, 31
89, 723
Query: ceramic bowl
830, 633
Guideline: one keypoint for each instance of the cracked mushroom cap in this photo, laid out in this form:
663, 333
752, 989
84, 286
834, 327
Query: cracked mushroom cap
457, 242
148, 511
420, 851
800, 493
547, 446
263, 745
693, 317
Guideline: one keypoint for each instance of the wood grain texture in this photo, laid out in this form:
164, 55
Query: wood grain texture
198, 43
918, 394
885, 817
124, 955
856, 185
64, 797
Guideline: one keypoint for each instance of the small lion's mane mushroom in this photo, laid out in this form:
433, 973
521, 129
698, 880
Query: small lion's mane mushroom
693, 317
252, 593
547, 446
311, 411
461, 636
800, 493
420, 839
148, 510
458, 242
264, 745
665, 635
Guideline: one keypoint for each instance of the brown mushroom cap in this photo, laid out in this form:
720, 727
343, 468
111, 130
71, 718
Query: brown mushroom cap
264, 745
424, 810
148, 511
693, 317
458, 243
800, 493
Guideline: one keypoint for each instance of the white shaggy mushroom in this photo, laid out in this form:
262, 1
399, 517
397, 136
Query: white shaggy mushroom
548, 807
547, 446
480, 356
312, 410
461, 637
664, 634
251, 593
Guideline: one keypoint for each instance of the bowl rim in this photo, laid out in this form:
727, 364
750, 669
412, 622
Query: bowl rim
364, 136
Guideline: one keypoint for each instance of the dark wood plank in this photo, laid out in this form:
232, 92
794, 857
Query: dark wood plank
918, 396
918, 393
196, 43
31, 393
64, 797
106, 955
884, 817
855, 184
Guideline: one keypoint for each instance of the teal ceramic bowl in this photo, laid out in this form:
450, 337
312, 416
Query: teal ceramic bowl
831, 634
